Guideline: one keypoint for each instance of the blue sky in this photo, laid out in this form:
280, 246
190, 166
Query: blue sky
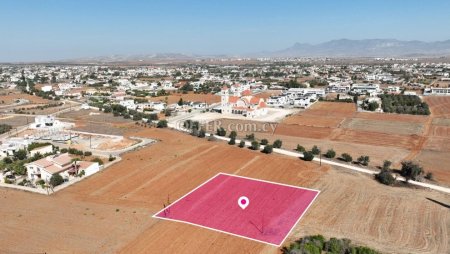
60, 29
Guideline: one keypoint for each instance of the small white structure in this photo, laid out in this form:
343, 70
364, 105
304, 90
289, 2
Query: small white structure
41, 150
371, 89
46, 88
437, 91
47, 122
13, 145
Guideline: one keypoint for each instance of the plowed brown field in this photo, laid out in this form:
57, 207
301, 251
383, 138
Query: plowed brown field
111, 211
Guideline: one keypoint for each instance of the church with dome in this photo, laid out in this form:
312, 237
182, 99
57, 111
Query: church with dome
242, 103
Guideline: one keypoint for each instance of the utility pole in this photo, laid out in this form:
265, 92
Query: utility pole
320, 156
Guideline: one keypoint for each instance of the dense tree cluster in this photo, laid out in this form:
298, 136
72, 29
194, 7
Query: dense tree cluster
317, 244
5, 128
404, 104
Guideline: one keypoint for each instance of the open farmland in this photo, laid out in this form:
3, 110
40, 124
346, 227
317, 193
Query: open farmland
175, 97
10, 98
338, 126
116, 205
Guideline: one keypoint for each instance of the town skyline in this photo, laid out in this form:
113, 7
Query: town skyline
60, 30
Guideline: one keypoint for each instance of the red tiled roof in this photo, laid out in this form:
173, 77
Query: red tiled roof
233, 99
246, 93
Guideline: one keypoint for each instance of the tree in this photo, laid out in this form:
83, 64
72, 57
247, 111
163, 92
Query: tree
308, 156
429, 176
411, 170
255, 145
180, 102
19, 168
232, 141
385, 177
330, 154
111, 158
264, 141
277, 143
387, 165
267, 149
363, 160
315, 150
201, 133
242, 144
221, 132
98, 160
346, 157
162, 124
250, 137
233, 134
56, 180
7, 160
20, 154
300, 148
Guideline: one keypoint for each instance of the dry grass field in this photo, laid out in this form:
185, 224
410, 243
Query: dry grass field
175, 97
12, 97
111, 211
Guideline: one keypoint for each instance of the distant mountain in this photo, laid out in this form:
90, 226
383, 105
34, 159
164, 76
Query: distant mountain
365, 48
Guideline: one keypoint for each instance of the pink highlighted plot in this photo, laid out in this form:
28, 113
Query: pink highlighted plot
271, 211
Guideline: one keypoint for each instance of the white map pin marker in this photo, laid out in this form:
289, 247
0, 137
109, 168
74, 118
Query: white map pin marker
243, 202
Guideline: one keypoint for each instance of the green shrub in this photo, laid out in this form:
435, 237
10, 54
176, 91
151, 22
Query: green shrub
242, 144
411, 170
250, 137
385, 177
56, 180
264, 141
308, 156
233, 134
255, 145
330, 154
98, 160
364, 160
277, 143
111, 158
161, 124
267, 149
87, 153
315, 150
232, 141
221, 132
346, 157
300, 148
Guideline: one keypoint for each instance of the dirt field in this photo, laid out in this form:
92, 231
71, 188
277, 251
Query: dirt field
385, 126
175, 97
111, 211
16, 121
12, 97
392, 137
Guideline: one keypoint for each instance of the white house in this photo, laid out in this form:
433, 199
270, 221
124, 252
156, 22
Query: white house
46, 122
59, 164
13, 145
372, 89
129, 104
437, 91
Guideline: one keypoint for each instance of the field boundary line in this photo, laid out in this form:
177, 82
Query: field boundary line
233, 234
